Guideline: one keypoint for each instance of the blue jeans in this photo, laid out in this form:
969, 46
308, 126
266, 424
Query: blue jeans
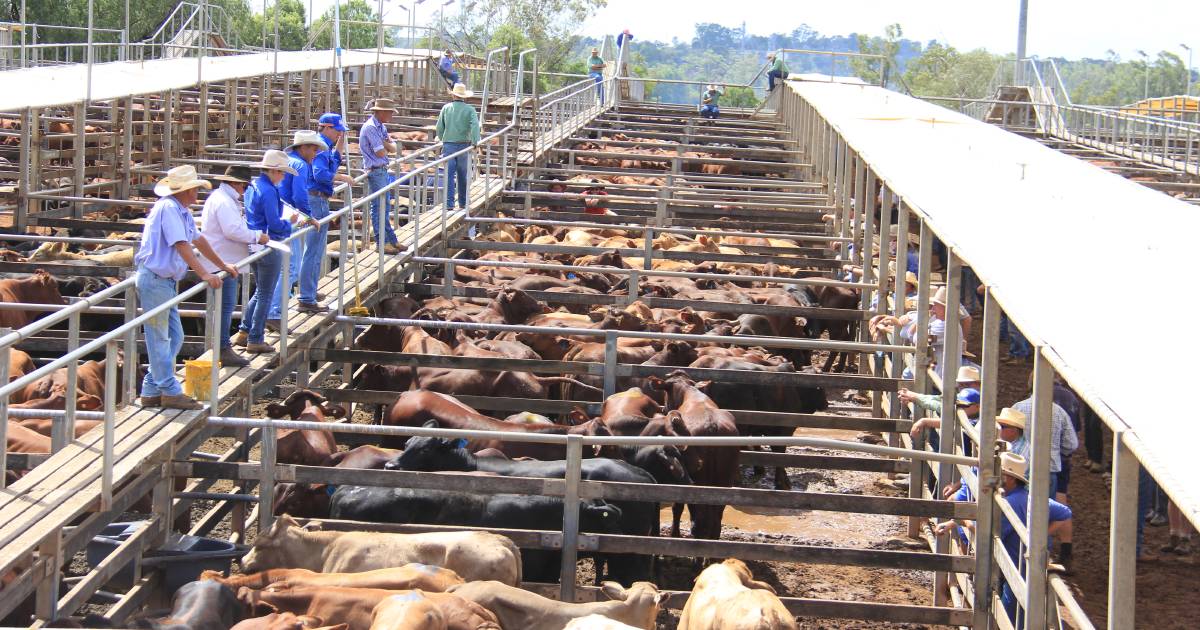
377, 179
772, 77
229, 295
294, 261
599, 79
457, 174
709, 111
164, 334
970, 286
314, 250
451, 76
1147, 489
1018, 346
266, 276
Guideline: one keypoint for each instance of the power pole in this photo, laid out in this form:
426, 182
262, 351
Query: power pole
1022, 28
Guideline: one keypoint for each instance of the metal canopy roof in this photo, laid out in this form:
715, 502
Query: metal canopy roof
61, 85
1096, 267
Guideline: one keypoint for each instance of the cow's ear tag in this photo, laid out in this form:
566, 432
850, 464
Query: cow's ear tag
571, 275
330, 489
460, 443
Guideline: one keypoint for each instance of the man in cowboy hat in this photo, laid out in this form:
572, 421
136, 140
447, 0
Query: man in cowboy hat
778, 71
708, 103
294, 191
264, 212
1013, 482
458, 129
1011, 427
968, 376
226, 231
596, 67
967, 400
445, 68
375, 145
1063, 439
163, 258
325, 174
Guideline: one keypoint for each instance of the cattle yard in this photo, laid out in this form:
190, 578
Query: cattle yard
715, 258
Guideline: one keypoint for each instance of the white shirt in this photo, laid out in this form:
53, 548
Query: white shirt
224, 227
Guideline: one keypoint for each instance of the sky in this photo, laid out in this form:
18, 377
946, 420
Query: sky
1057, 28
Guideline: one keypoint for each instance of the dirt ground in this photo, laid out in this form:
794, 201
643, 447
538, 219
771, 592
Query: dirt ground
1166, 590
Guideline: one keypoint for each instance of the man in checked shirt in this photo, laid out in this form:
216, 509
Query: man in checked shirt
375, 145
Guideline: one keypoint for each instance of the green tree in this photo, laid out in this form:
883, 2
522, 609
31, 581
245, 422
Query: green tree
363, 35
887, 46
549, 25
293, 26
944, 71
739, 97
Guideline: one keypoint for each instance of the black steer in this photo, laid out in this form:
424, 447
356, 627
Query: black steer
500, 511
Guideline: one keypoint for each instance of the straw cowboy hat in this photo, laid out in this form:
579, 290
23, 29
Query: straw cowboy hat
1014, 465
939, 297
276, 159
236, 173
306, 136
383, 105
461, 91
967, 374
179, 179
770, 55
1010, 417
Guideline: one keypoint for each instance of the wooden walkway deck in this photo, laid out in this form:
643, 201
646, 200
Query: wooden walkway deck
37, 510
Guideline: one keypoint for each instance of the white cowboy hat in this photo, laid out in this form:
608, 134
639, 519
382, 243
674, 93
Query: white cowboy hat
967, 374
306, 136
179, 179
276, 159
1010, 417
939, 297
461, 91
1014, 465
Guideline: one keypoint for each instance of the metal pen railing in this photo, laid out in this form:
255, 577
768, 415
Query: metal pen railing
573, 443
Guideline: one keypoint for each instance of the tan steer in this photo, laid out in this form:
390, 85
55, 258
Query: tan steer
516, 608
473, 555
727, 596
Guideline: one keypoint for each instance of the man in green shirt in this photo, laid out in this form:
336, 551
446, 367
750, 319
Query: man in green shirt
458, 129
596, 67
778, 71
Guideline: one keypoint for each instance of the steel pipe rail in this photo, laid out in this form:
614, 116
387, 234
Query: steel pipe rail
770, 342
665, 230
612, 440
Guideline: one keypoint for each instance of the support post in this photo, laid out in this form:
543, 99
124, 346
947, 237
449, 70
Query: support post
266, 483
110, 412
989, 474
949, 433
610, 363
62, 431
1122, 536
1037, 515
570, 537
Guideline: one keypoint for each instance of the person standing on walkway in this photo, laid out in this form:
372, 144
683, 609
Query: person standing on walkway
624, 38
325, 176
294, 191
226, 231
375, 145
778, 71
596, 67
162, 260
264, 212
458, 129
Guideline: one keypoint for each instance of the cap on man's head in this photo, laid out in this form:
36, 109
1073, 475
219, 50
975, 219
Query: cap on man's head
967, 397
333, 120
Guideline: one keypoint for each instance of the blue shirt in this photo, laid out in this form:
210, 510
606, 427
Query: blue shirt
294, 188
264, 209
371, 139
324, 167
622, 38
167, 224
445, 64
1018, 499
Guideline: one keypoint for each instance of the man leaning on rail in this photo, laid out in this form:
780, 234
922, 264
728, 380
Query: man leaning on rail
161, 261
225, 229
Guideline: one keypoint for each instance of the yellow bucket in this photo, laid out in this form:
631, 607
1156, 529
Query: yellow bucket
197, 377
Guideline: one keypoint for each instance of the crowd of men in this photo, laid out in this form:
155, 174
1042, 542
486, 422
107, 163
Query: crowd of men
256, 207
